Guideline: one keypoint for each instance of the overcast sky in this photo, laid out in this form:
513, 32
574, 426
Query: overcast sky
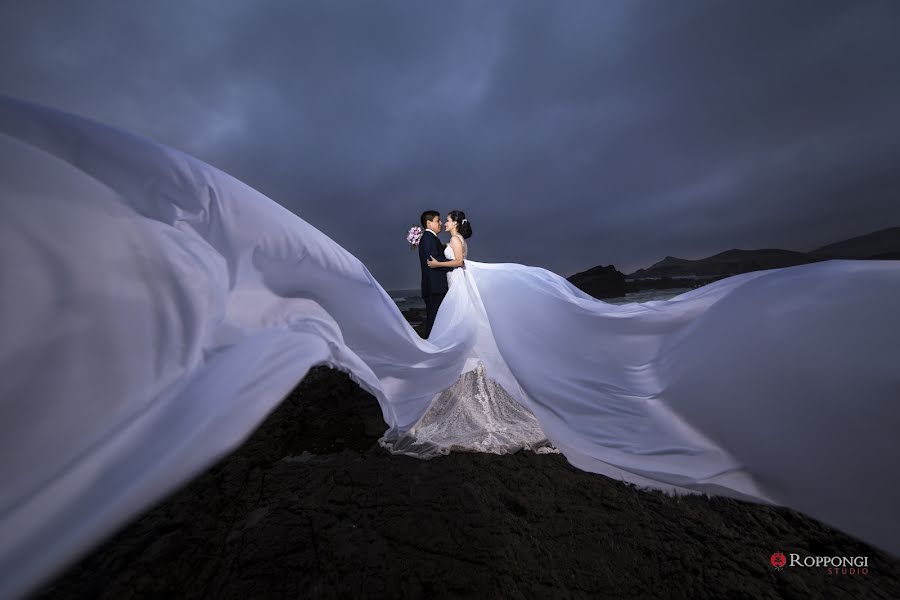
572, 133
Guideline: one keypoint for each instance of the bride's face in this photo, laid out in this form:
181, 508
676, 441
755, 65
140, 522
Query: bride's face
450, 224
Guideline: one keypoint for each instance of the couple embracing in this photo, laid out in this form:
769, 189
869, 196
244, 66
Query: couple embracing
437, 259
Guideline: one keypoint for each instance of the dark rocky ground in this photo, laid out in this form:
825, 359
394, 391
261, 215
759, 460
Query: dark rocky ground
311, 507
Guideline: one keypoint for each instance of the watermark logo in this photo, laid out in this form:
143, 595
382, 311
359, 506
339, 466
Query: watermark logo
833, 565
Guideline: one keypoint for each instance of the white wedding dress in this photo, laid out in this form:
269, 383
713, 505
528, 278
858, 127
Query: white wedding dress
475, 413
154, 310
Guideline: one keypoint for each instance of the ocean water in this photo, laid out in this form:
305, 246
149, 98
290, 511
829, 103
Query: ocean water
648, 295
407, 299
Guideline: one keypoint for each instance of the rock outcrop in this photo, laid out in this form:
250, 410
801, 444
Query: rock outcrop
600, 282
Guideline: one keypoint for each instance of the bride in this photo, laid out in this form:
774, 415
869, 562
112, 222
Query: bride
155, 310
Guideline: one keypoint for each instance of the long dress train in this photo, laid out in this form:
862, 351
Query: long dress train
154, 310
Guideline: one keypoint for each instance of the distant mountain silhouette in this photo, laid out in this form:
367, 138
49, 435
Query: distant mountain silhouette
883, 241
879, 245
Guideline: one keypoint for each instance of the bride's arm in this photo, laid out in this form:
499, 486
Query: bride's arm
432, 248
457, 251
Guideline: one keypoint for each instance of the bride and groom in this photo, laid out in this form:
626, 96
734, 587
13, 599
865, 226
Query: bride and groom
476, 413
176, 307
435, 271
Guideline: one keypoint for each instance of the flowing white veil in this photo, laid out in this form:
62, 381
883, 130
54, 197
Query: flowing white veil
154, 310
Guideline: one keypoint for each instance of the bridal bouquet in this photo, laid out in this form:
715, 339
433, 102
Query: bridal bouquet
414, 235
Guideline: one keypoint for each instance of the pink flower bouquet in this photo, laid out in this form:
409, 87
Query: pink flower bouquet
414, 235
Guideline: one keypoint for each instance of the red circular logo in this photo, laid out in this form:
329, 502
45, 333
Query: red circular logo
778, 560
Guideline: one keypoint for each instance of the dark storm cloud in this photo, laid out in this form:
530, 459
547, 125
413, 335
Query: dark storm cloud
574, 134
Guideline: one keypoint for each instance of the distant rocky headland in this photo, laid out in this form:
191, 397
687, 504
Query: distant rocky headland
672, 272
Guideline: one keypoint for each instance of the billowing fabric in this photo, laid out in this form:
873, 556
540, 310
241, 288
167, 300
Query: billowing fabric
154, 310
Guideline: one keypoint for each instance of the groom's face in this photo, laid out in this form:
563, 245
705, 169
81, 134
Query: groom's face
434, 224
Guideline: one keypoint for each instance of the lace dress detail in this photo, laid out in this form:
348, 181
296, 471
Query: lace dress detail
477, 415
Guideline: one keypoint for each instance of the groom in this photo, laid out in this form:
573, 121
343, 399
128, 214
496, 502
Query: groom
434, 281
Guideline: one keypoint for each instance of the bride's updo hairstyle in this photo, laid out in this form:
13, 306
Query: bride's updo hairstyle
463, 227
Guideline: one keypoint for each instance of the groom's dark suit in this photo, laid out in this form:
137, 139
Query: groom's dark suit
434, 281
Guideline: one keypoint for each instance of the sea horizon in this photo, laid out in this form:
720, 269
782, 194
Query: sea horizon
411, 298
